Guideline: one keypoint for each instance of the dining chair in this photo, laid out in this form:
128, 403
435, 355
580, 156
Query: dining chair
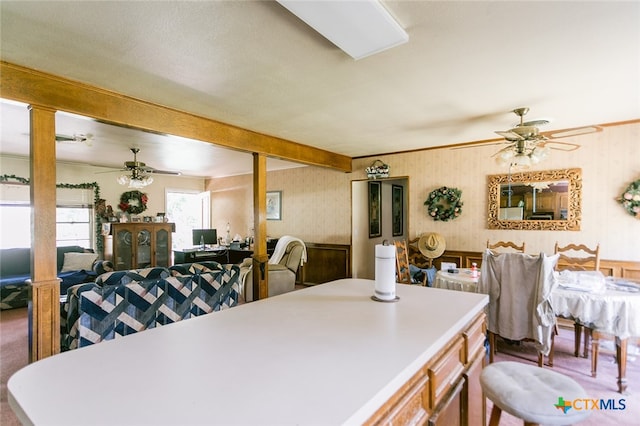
402, 262
578, 257
519, 287
505, 246
403, 267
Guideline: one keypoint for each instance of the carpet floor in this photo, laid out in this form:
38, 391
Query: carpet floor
14, 355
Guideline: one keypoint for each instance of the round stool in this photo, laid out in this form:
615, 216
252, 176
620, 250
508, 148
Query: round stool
533, 394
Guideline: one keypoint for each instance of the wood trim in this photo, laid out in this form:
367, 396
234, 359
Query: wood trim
35, 87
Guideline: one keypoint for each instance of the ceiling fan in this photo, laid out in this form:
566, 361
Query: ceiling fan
527, 145
139, 172
87, 139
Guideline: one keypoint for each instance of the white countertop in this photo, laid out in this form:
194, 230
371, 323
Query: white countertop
327, 354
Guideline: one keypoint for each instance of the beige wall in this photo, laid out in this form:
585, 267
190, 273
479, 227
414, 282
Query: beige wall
317, 202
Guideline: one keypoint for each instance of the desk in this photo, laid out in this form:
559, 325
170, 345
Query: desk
345, 359
461, 281
612, 312
221, 255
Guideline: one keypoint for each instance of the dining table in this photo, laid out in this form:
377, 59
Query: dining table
613, 310
461, 280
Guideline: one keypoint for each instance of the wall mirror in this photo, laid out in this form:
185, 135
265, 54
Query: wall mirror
543, 200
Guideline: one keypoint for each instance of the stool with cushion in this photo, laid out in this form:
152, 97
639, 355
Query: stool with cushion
535, 395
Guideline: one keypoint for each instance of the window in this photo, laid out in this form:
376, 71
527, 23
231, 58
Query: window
74, 217
15, 224
188, 210
74, 226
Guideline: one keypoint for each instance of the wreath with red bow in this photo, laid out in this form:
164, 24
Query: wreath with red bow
133, 202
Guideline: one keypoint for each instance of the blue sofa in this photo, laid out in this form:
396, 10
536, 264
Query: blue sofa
15, 269
125, 302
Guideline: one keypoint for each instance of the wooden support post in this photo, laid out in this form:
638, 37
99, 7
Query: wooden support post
260, 257
44, 305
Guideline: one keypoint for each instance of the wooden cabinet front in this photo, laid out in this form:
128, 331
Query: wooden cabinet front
139, 245
446, 390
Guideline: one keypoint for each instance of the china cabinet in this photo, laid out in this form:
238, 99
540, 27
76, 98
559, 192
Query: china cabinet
139, 245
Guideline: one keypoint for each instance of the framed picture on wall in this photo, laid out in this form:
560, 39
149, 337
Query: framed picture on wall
375, 209
274, 205
397, 209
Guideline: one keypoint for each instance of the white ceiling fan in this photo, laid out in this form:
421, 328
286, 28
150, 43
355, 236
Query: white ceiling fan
527, 145
139, 172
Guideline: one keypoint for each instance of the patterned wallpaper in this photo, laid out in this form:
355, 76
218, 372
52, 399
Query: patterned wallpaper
317, 202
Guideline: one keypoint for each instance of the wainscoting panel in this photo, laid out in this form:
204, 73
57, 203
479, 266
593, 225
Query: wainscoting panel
325, 262
464, 259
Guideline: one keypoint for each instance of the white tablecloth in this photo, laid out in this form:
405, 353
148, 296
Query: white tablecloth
613, 312
461, 281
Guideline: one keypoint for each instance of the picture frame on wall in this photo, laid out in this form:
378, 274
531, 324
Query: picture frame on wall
397, 209
375, 209
274, 205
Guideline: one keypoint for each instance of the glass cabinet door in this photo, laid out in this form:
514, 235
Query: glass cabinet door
123, 249
162, 249
143, 249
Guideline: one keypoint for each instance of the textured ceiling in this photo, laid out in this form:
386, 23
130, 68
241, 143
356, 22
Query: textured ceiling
255, 65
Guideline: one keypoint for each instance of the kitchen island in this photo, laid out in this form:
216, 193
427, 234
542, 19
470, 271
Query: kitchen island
326, 355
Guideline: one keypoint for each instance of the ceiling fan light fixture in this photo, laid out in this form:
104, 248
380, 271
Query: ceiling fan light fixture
521, 161
538, 154
135, 182
504, 157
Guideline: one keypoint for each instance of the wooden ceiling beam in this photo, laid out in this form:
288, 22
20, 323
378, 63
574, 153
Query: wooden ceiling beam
35, 87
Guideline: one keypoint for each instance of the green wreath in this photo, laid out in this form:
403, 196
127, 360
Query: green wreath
444, 203
630, 199
133, 202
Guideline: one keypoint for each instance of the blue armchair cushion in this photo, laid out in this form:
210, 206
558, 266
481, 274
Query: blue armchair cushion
15, 270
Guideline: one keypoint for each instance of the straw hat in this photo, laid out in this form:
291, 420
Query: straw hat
431, 245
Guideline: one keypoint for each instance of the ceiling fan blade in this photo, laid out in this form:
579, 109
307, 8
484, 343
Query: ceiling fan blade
76, 138
110, 171
163, 172
576, 131
510, 136
559, 146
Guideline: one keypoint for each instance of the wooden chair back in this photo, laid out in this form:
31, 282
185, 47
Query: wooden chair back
578, 257
402, 262
506, 245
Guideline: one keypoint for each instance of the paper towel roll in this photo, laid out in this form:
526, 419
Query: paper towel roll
385, 288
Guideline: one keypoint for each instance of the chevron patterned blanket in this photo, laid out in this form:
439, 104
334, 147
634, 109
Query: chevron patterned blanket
120, 303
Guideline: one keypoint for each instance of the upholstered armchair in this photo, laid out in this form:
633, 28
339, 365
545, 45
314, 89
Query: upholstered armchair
289, 254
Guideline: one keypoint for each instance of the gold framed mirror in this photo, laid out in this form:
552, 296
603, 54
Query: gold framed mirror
544, 200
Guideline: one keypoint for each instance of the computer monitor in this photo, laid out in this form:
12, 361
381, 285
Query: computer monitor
203, 237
